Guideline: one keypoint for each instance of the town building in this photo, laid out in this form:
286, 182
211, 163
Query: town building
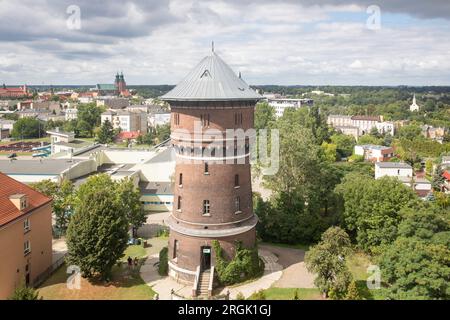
213, 193
360, 125
119, 88
112, 102
14, 92
404, 173
414, 106
281, 104
393, 169
25, 235
433, 133
446, 185
126, 120
71, 114
158, 118
374, 153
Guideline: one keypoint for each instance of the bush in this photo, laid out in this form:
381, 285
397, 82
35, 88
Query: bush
259, 295
356, 158
163, 268
245, 265
25, 293
240, 296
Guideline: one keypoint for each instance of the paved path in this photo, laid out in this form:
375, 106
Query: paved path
59, 249
155, 221
295, 274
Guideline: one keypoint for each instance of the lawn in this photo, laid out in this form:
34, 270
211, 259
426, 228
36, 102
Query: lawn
358, 264
125, 284
288, 294
44, 139
301, 246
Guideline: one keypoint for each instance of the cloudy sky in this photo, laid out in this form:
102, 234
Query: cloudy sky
306, 42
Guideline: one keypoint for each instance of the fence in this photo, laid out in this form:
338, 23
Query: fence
48, 272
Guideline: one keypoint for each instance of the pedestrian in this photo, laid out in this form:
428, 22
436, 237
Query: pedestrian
130, 262
136, 261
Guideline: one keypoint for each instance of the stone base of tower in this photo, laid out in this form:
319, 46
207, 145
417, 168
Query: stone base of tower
192, 252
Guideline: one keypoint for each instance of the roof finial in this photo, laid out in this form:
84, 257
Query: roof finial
212, 46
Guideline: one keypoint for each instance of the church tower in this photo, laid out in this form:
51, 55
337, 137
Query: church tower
212, 194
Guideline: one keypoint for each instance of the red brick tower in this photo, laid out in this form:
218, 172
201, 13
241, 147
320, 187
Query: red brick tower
213, 194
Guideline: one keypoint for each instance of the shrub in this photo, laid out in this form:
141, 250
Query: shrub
259, 295
245, 265
240, 296
25, 293
163, 268
352, 292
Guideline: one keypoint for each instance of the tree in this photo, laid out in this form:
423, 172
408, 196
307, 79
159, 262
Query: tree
97, 234
369, 139
327, 261
438, 179
88, 117
429, 167
329, 150
62, 195
371, 208
422, 222
352, 292
264, 116
163, 132
27, 127
106, 133
344, 144
409, 132
129, 197
25, 293
416, 269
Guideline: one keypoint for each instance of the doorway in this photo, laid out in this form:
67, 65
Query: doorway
205, 258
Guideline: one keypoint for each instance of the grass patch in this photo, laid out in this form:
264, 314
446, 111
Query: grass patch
125, 285
134, 251
357, 264
288, 293
300, 246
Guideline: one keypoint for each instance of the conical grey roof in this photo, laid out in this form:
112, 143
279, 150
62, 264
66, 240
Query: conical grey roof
211, 80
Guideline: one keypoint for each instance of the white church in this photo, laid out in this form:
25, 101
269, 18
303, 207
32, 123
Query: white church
414, 106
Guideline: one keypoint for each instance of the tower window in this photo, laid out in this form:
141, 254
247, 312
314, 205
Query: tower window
206, 207
175, 249
179, 203
236, 180
237, 204
180, 182
204, 118
237, 118
206, 168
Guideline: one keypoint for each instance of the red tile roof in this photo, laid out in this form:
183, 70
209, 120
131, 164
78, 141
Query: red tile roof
128, 135
446, 175
8, 187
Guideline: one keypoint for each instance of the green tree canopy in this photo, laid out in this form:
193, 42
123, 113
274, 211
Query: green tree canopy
97, 234
27, 127
327, 261
106, 133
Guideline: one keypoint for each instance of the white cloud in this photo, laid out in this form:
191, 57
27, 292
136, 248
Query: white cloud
284, 43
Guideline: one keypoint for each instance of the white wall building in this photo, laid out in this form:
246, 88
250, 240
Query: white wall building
364, 124
372, 152
393, 169
71, 114
126, 120
281, 104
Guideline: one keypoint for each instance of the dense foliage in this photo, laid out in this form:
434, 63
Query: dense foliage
163, 266
97, 234
327, 261
27, 127
245, 264
25, 293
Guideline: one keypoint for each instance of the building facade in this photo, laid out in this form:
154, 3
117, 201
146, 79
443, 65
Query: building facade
25, 235
126, 120
281, 104
374, 153
212, 194
360, 125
